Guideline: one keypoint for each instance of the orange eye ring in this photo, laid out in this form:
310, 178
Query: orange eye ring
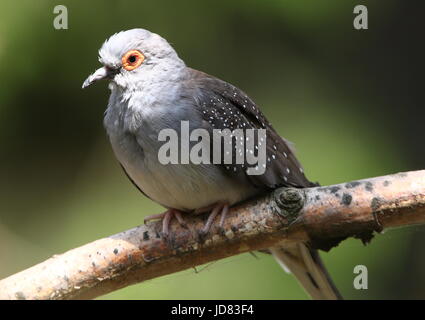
132, 60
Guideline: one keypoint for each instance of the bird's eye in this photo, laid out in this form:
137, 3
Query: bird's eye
132, 60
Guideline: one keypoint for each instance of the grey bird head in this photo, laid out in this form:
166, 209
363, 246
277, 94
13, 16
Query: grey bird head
135, 58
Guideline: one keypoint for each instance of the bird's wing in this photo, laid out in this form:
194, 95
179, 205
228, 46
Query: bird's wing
223, 105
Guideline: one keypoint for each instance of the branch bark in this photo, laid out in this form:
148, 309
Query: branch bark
323, 216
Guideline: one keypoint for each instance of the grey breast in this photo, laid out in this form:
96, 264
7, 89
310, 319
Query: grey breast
133, 128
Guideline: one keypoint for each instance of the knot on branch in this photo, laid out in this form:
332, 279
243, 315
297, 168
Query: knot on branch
290, 201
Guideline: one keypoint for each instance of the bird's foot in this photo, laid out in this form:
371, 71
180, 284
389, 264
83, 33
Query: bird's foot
166, 219
218, 208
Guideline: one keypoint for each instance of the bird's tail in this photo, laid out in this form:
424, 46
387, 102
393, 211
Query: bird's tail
305, 264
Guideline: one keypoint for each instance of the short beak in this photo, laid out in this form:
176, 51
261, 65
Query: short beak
99, 74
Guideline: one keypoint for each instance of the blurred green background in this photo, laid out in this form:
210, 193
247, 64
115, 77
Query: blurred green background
351, 100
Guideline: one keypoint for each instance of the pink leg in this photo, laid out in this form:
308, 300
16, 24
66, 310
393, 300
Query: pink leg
211, 218
166, 222
166, 219
179, 218
224, 212
220, 208
154, 217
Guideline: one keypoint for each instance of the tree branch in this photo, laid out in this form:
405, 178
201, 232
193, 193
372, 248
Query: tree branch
324, 216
